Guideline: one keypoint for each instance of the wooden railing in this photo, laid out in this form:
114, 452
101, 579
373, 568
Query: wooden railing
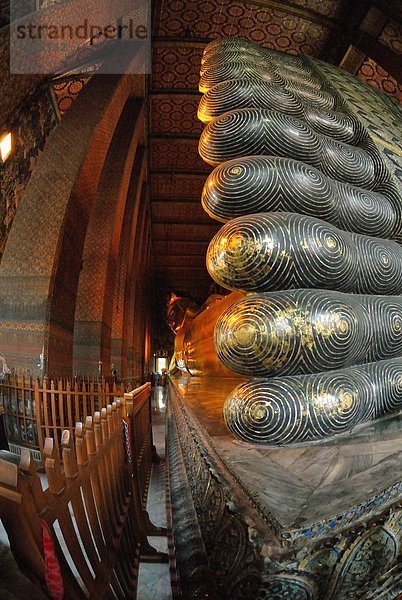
84, 535
35, 410
138, 406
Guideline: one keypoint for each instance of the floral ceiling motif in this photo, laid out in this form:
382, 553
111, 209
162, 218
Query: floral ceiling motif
377, 77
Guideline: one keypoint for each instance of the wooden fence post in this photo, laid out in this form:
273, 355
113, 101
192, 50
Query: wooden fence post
39, 415
52, 467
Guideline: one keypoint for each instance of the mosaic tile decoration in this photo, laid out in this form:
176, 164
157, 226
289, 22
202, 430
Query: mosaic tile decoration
381, 115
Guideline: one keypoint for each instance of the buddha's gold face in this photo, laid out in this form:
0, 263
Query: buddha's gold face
175, 315
176, 312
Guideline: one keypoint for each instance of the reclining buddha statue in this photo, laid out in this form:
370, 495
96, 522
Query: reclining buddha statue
310, 249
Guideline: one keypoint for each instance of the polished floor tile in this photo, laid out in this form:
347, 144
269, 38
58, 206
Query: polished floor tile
154, 579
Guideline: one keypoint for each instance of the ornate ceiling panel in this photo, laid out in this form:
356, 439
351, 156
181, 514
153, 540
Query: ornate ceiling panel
377, 77
176, 154
270, 27
177, 186
179, 212
176, 67
175, 114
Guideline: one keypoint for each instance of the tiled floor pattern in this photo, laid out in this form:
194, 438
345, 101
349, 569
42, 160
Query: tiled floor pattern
154, 579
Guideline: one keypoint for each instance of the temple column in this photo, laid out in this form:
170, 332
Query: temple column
127, 257
93, 320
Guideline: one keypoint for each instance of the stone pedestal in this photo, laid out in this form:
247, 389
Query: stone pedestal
314, 521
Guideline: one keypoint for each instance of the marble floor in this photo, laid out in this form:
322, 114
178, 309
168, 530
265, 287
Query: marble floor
154, 579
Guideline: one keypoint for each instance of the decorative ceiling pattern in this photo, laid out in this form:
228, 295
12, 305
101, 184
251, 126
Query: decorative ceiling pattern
175, 114
278, 29
179, 212
377, 77
67, 91
175, 68
177, 186
391, 36
176, 155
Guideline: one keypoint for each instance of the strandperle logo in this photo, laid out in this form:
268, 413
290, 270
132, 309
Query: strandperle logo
67, 34
86, 31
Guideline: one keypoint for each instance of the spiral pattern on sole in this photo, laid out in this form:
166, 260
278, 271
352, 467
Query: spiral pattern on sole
246, 132
285, 141
219, 57
222, 46
306, 408
263, 58
270, 251
244, 93
263, 183
306, 331
254, 70
234, 94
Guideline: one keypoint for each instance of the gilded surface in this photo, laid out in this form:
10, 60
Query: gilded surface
307, 331
271, 251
